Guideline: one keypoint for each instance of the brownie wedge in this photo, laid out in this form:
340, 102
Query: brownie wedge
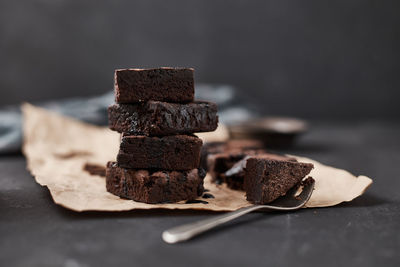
234, 177
155, 118
268, 177
161, 84
176, 152
154, 186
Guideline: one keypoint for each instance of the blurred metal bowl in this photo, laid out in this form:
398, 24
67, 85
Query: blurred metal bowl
272, 131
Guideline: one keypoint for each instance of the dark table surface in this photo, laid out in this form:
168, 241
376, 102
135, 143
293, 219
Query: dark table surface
366, 232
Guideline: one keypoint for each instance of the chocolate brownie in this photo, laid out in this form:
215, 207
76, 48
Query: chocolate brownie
212, 148
154, 186
268, 177
155, 118
218, 164
162, 84
176, 152
234, 177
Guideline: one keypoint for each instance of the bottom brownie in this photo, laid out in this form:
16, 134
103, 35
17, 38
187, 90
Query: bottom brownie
154, 186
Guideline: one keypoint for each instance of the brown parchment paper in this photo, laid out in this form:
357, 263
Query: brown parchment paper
57, 148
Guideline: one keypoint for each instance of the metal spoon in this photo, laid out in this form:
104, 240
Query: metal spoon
286, 203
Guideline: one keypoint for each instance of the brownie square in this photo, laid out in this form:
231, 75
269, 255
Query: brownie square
155, 118
177, 152
154, 186
161, 84
268, 177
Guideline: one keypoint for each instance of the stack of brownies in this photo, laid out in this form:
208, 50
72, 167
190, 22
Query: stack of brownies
159, 157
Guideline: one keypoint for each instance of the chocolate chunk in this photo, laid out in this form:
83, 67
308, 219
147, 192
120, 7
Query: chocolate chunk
153, 186
154, 118
177, 152
163, 84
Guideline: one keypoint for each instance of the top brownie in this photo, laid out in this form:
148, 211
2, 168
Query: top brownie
163, 84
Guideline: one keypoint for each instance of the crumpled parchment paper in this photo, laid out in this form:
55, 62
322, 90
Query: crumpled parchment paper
57, 148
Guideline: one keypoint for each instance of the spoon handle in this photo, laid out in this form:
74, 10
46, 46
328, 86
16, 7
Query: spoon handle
187, 231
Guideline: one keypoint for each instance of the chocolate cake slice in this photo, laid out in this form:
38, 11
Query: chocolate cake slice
176, 152
162, 84
154, 186
268, 177
155, 118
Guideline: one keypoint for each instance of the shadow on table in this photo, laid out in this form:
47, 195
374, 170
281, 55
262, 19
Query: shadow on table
247, 219
88, 215
130, 213
366, 200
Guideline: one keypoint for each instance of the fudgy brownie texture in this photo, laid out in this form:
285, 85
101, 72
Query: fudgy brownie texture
177, 152
268, 177
154, 186
155, 118
212, 148
162, 84
219, 164
234, 177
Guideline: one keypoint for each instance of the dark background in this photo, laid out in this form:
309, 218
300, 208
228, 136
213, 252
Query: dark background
313, 59
334, 62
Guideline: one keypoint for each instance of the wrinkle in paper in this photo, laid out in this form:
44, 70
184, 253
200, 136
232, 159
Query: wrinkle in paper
57, 148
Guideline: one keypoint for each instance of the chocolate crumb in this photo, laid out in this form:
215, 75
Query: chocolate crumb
307, 181
95, 169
